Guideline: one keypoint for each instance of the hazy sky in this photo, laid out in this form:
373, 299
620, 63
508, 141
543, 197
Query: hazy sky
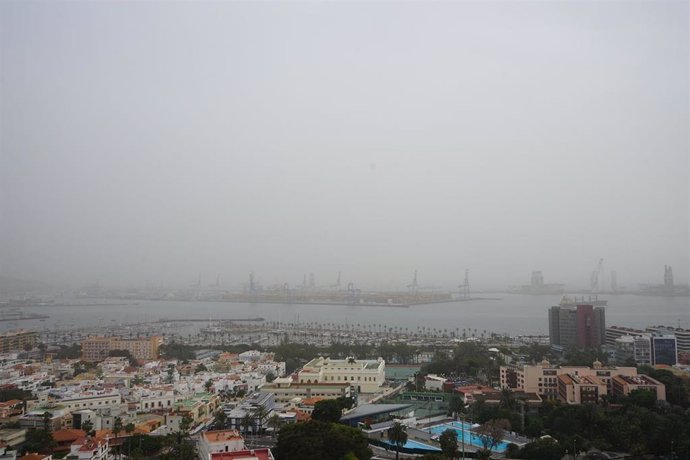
153, 141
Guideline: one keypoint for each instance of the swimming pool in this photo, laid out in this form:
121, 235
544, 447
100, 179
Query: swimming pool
469, 437
415, 445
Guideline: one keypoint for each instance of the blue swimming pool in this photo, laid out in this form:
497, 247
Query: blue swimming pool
416, 445
463, 428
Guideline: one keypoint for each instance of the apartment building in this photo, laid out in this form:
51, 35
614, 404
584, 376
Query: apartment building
622, 385
543, 379
87, 399
577, 326
580, 389
97, 348
285, 390
615, 332
90, 449
17, 340
366, 376
219, 441
682, 336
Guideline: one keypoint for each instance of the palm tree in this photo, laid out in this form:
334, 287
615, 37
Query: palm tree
259, 413
117, 429
246, 423
220, 418
275, 423
397, 434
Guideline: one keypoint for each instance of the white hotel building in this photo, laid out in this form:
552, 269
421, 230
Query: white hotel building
367, 376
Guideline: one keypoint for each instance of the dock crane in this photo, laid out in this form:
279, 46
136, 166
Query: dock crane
465, 286
596, 274
337, 283
413, 286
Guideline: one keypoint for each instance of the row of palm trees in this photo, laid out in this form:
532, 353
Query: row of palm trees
254, 418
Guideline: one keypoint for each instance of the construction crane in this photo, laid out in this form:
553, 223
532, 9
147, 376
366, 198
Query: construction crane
596, 274
413, 286
337, 283
465, 286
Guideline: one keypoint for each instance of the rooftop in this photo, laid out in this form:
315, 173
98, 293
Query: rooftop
256, 454
222, 435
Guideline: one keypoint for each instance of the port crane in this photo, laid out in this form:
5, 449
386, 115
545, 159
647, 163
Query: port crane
596, 274
413, 286
465, 286
337, 283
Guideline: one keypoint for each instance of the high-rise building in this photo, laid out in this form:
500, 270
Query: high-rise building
98, 348
577, 326
682, 336
642, 350
664, 350
17, 340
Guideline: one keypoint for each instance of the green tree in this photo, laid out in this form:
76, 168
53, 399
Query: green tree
117, 429
40, 441
542, 449
258, 415
274, 422
220, 418
491, 433
246, 422
87, 426
397, 435
117, 426
208, 385
327, 410
316, 440
449, 443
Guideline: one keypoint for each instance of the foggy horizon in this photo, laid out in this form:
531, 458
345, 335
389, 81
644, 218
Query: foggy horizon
150, 142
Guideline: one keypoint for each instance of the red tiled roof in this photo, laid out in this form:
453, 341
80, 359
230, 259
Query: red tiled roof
222, 435
33, 457
68, 435
260, 454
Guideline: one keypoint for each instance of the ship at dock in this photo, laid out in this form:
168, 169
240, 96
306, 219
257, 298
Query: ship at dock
594, 301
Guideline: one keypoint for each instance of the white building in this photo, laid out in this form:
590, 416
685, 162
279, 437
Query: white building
219, 441
367, 376
434, 382
90, 449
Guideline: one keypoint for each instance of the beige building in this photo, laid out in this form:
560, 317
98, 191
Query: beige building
286, 390
366, 376
17, 340
97, 348
543, 379
584, 389
623, 385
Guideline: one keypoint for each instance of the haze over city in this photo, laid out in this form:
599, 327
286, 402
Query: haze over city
150, 142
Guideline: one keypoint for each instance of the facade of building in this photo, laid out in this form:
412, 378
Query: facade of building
577, 326
682, 336
285, 390
17, 340
642, 350
664, 350
219, 441
98, 348
261, 403
615, 332
90, 449
366, 376
580, 389
622, 385
543, 379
